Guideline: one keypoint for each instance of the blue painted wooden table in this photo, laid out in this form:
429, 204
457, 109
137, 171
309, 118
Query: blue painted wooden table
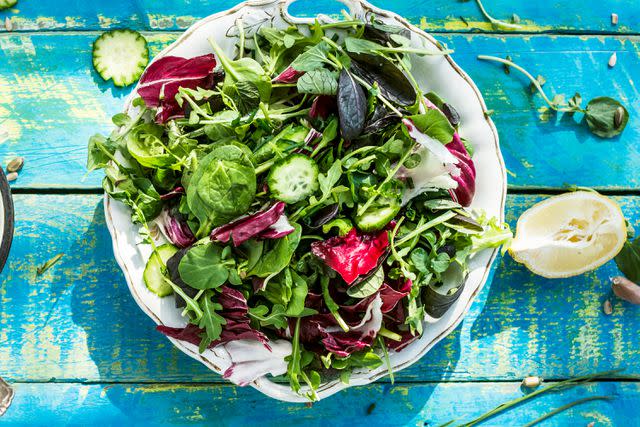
77, 350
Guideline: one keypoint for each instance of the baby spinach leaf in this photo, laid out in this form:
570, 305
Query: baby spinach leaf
312, 59
318, 82
277, 255
356, 45
606, 117
393, 83
367, 287
352, 106
202, 267
144, 145
628, 260
435, 124
222, 187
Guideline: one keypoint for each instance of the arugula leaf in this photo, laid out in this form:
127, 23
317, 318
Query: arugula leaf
628, 260
245, 95
318, 82
210, 321
202, 267
100, 151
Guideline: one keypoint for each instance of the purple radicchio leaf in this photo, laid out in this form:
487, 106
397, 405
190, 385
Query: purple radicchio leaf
322, 107
290, 75
176, 192
237, 327
466, 180
268, 223
160, 82
174, 227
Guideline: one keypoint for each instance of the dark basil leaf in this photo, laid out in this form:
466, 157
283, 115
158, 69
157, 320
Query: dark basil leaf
318, 82
392, 81
628, 260
451, 114
439, 298
323, 216
606, 117
381, 124
352, 106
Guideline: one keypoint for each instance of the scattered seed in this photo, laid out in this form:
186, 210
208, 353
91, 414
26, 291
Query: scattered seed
12, 176
531, 382
370, 408
463, 19
613, 59
309, 404
618, 116
15, 164
488, 113
607, 307
614, 18
626, 289
591, 424
8, 24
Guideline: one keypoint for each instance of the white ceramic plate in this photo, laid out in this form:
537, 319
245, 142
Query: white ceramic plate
437, 73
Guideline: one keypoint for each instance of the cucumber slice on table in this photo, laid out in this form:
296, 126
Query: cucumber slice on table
154, 271
120, 55
293, 179
6, 4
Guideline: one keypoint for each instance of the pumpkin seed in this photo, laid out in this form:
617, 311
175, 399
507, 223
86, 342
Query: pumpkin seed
626, 289
613, 59
607, 307
618, 116
8, 24
15, 164
12, 176
614, 18
531, 382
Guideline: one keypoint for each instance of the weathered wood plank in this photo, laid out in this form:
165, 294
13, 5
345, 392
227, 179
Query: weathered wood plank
375, 405
78, 322
437, 15
51, 101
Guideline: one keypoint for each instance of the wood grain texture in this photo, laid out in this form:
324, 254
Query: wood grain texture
417, 405
591, 16
51, 101
78, 321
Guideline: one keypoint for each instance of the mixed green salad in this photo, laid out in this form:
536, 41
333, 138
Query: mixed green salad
303, 190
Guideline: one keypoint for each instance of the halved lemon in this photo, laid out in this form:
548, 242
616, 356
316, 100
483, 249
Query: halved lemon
569, 234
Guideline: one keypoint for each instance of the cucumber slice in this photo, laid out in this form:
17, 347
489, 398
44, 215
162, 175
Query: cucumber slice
293, 179
6, 4
155, 271
376, 217
121, 56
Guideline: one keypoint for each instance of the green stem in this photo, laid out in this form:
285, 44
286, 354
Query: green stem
189, 301
241, 43
224, 60
419, 230
263, 167
331, 304
342, 24
533, 80
130, 126
562, 384
495, 21
384, 332
378, 95
386, 359
565, 407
